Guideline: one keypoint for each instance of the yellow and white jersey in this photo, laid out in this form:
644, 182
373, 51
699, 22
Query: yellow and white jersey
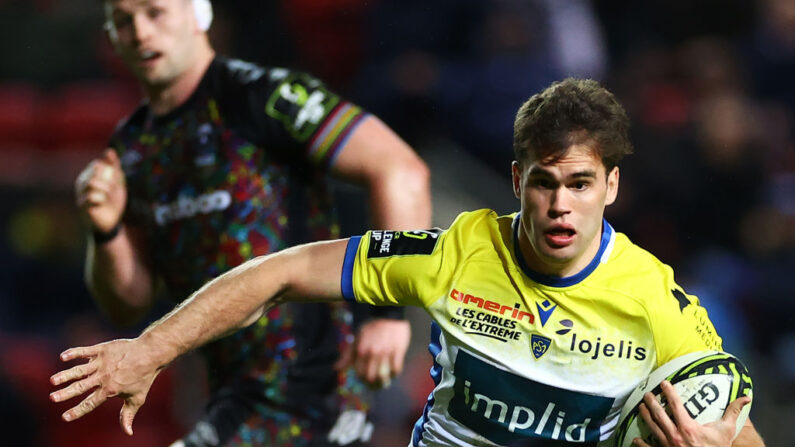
522, 358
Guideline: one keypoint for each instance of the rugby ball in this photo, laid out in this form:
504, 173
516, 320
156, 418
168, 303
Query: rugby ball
707, 381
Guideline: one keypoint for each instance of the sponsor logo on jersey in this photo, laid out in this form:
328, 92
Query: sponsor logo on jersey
384, 244
567, 325
488, 318
507, 409
539, 345
596, 348
681, 298
205, 150
300, 103
185, 207
545, 309
493, 306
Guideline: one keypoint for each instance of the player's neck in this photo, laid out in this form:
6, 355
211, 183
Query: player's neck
165, 98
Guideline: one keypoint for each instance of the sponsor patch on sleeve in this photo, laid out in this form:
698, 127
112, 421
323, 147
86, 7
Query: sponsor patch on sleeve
301, 103
388, 243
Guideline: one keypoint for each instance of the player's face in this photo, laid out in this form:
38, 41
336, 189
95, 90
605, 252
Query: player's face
155, 38
563, 203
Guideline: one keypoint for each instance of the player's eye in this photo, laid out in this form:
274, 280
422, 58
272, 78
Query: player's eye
580, 186
122, 20
154, 13
542, 183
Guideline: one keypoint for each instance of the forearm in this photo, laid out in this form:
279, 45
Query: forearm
240, 296
118, 278
748, 437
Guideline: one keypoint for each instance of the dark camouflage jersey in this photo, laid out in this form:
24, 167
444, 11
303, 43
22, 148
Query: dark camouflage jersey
235, 172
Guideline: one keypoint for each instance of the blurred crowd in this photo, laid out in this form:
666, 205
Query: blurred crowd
709, 87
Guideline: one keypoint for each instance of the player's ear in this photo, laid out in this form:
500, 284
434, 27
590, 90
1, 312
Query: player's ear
110, 35
109, 28
516, 176
203, 13
612, 186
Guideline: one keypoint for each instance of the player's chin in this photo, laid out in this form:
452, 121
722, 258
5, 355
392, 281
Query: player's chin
556, 257
560, 252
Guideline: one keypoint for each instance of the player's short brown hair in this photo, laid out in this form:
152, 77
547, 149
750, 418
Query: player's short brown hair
568, 112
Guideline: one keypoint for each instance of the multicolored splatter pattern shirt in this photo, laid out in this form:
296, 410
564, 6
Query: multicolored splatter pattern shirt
236, 172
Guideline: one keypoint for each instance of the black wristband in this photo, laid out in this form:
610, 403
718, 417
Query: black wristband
362, 313
102, 238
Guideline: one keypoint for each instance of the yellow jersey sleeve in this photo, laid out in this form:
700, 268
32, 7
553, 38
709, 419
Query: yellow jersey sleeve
407, 268
396, 268
679, 323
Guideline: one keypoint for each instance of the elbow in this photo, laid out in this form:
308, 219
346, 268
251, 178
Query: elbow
413, 177
402, 196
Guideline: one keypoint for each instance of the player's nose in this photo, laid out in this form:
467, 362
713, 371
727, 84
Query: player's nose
559, 202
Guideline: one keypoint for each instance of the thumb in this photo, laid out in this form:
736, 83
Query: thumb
346, 358
111, 157
128, 411
735, 407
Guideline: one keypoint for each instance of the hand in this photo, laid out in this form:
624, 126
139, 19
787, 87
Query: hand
378, 351
683, 430
115, 368
100, 192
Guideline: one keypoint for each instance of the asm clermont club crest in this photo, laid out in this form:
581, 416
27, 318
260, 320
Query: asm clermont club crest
539, 345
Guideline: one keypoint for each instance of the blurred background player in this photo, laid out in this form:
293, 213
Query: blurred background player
226, 160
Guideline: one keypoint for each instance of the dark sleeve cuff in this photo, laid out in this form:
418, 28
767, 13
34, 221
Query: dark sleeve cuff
362, 313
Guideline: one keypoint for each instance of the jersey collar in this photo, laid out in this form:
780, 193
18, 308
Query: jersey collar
605, 247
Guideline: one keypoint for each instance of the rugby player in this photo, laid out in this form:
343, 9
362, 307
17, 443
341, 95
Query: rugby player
544, 320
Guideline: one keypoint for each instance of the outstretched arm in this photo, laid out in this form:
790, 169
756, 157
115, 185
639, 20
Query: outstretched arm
127, 368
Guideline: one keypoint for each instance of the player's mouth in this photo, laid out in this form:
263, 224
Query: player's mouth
559, 236
148, 57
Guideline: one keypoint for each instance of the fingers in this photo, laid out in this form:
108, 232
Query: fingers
100, 173
639, 442
385, 373
346, 358
734, 409
111, 157
397, 357
84, 176
127, 415
74, 373
374, 369
75, 389
94, 184
649, 420
367, 366
661, 418
94, 192
88, 405
82, 352
675, 406
371, 367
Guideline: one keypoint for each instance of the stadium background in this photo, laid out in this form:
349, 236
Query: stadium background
709, 86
